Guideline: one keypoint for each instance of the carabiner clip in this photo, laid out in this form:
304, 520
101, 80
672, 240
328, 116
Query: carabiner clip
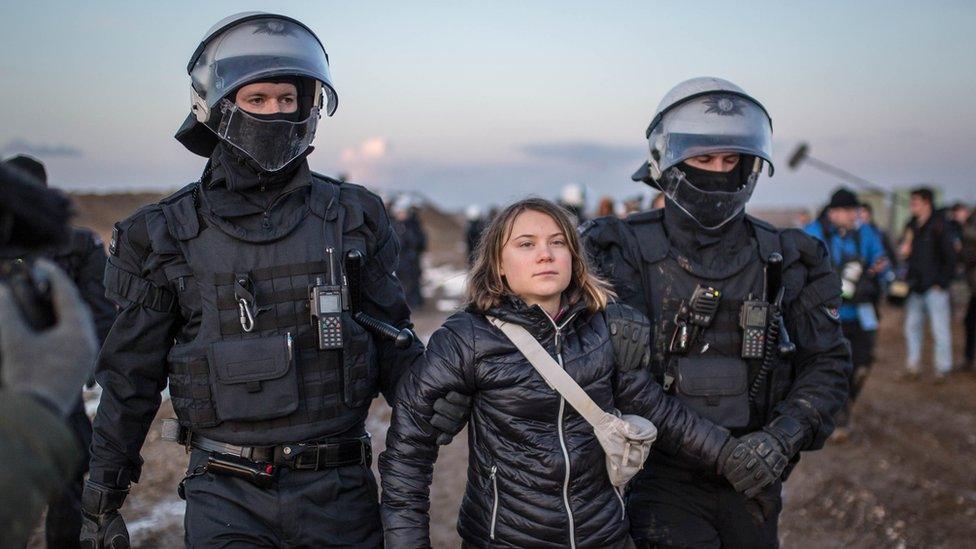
246, 317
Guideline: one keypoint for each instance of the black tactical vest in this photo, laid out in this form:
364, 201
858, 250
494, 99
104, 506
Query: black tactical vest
711, 377
271, 384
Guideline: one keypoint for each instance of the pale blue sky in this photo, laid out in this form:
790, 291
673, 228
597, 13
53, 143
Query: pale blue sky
487, 101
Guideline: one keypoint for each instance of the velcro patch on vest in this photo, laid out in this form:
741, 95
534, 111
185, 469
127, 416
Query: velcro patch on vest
113, 246
832, 312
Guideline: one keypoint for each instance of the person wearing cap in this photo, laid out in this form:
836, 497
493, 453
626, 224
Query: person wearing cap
83, 258
238, 294
858, 255
745, 316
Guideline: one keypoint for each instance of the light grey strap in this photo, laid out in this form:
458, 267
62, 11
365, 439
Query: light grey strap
549, 369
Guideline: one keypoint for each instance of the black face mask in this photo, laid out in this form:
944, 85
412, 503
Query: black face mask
295, 116
710, 181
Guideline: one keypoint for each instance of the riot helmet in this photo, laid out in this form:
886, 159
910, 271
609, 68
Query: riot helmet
699, 117
256, 47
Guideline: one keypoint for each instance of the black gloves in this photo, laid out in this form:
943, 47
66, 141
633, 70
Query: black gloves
756, 460
450, 416
102, 525
54, 363
751, 463
630, 334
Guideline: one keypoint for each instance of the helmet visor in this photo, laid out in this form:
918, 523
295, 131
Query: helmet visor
257, 49
711, 124
711, 209
271, 144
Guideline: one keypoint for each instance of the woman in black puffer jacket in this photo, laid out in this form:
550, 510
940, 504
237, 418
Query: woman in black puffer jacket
536, 472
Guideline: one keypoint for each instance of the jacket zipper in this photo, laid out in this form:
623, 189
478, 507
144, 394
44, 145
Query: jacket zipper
623, 508
494, 504
562, 439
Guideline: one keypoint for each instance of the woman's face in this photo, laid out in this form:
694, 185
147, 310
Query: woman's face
536, 261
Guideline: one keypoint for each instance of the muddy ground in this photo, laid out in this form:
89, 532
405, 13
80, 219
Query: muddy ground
905, 478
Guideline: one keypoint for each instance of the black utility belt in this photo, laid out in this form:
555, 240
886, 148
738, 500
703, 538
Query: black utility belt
299, 456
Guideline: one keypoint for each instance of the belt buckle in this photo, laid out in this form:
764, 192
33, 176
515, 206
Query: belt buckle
299, 463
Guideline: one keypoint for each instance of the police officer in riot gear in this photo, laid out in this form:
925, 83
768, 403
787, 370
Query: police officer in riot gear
238, 292
745, 324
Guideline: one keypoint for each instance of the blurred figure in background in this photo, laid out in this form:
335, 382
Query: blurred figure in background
865, 216
472, 234
83, 259
968, 261
413, 243
573, 198
606, 207
632, 205
958, 215
858, 256
929, 247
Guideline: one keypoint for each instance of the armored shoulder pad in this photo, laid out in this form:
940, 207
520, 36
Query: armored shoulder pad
126, 280
186, 190
369, 204
602, 231
821, 284
649, 216
812, 251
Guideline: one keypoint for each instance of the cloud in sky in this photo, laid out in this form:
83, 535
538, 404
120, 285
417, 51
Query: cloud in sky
40, 150
361, 161
584, 153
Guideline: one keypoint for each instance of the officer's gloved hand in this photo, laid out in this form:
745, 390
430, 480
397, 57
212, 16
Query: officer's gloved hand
450, 416
751, 463
54, 363
630, 334
102, 525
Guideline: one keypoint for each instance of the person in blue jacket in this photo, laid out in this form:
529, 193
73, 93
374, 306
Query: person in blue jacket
858, 255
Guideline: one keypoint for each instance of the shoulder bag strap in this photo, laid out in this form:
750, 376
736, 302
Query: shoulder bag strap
549, 369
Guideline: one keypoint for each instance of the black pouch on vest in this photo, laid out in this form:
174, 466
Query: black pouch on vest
715, 387
255, 379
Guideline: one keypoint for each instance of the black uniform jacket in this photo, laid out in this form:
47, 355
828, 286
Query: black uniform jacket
132, 365
813, 385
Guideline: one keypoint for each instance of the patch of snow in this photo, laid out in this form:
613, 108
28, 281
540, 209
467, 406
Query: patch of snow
448, 280
165, 514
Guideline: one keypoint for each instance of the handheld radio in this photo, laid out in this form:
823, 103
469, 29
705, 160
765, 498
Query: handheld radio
326, 306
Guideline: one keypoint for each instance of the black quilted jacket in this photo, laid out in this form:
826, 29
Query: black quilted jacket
536, 473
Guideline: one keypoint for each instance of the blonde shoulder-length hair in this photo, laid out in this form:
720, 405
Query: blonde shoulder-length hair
486, 286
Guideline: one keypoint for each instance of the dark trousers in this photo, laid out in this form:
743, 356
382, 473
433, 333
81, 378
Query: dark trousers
862, 356
329, 508
62, 527
669, 508
970, 351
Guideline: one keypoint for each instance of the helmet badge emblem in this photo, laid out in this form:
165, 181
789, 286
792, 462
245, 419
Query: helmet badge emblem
724, 106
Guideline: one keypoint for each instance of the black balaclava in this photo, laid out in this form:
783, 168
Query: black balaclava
729, 181
718, 252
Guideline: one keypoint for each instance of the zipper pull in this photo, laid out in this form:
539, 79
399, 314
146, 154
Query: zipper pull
494, 469
291, 347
